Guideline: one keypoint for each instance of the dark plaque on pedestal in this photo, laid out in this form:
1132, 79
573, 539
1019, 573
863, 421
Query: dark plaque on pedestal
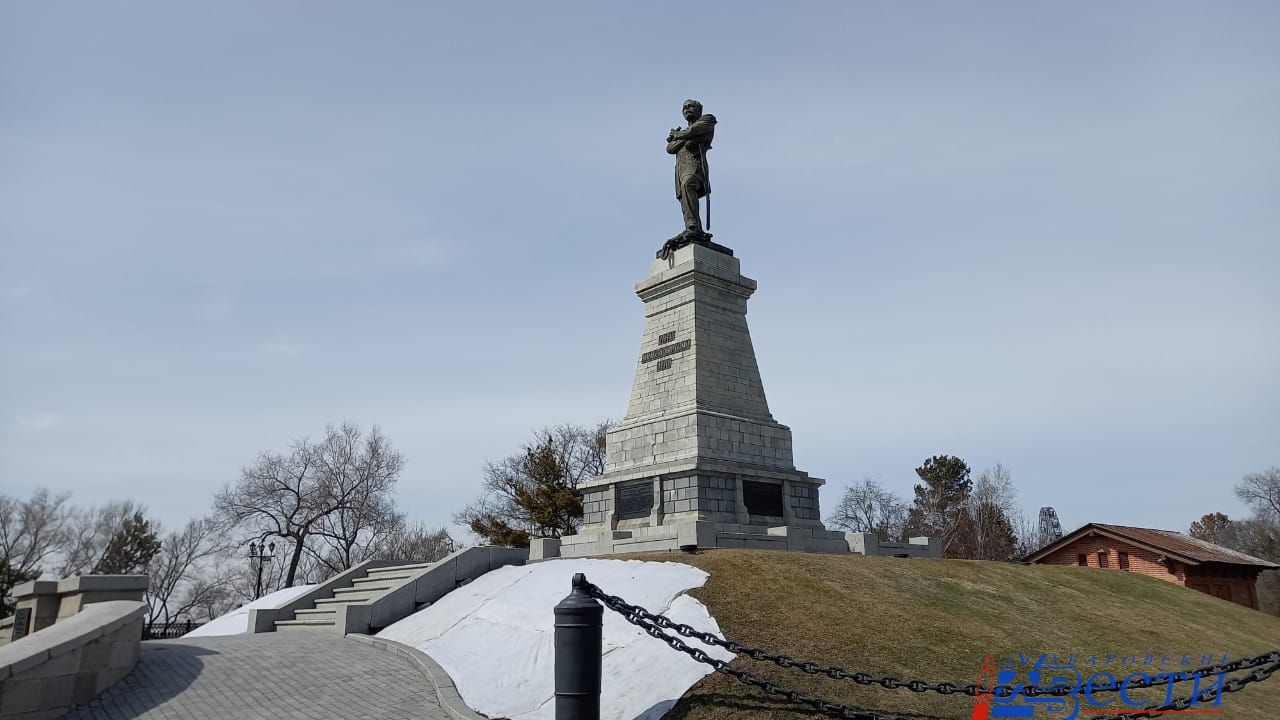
762, 498
21, 621
635, 500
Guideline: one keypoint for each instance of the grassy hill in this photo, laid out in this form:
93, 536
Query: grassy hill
936, 620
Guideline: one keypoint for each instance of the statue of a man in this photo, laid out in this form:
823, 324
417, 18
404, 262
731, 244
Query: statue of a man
690, 146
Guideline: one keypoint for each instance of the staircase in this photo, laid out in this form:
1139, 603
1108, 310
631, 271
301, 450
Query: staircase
365, 590
377, 593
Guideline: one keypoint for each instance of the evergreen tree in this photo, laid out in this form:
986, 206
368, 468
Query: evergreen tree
535, 493
130, 549
939, 509
1212, 527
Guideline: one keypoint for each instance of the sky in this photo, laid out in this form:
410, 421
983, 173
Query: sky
1040, 234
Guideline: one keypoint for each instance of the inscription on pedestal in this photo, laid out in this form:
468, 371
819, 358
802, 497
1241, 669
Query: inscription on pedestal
665, 351
21, 621
762, 498
635, 500
666, 337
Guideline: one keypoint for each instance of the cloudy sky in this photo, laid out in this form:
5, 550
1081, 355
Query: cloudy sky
1040, 234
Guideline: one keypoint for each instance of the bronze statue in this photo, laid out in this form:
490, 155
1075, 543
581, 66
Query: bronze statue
693, 180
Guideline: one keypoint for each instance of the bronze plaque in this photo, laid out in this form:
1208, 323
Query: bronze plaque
664, 364
666, 337
635, 500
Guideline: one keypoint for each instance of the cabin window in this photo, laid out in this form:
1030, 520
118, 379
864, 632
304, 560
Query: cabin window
1082, 560
1124, 561
1102, 559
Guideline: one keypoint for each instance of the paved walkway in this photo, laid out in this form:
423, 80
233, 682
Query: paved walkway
272, 676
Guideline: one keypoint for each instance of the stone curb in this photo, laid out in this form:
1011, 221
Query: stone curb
446, 691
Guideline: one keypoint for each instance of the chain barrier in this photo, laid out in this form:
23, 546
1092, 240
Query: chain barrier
654, 624
1231, 685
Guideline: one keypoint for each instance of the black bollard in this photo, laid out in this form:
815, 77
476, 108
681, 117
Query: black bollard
579, 645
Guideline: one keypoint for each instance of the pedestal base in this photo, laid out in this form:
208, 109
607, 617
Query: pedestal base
702, 535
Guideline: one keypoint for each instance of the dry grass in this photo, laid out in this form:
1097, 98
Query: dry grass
936, 620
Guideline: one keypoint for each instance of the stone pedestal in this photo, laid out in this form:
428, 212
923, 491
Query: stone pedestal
41, 603
698, 459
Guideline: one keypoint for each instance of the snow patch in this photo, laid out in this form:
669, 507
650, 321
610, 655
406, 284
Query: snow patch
494, 636
237, 621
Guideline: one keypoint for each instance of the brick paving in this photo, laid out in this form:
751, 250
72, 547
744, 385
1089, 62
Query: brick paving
273, 676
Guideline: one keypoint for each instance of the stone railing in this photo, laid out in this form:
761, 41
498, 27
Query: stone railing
705, 535
41, 603
47, 673
428, 586
263, 620
916, 547
424, 587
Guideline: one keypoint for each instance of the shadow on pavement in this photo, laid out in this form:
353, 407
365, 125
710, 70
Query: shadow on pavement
165, 669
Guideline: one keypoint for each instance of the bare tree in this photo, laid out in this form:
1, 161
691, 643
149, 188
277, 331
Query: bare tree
991, 504
1261, 491
1027, 533
869, 507
294, 496
417, 543
365, 474
32, 533
183, 572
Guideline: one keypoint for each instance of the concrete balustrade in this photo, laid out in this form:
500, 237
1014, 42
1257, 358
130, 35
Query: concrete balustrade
45, 602
47, 673
916, 547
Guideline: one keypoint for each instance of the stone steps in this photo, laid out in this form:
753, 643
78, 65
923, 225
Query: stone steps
351, 595
379, 595
387, 579
303, 625
394, 569
324, 614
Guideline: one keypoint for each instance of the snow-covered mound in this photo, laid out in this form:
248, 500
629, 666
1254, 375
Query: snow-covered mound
494, 637
237, 621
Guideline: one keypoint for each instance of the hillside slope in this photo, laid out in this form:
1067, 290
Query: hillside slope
936, 620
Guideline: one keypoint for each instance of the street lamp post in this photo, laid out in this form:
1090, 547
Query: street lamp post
260, 554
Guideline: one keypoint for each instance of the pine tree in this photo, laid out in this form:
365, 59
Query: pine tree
130, 549
534, 493
1211, 527
939, 508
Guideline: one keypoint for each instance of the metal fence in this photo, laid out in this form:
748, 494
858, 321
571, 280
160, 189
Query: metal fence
169, 630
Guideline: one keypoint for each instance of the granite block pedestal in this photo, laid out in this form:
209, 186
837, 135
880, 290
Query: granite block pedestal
698, 460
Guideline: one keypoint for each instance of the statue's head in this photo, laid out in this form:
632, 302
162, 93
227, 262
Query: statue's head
692, 110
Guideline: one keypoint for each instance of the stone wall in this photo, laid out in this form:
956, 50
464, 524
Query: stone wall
46, 674
803, 500
597, 504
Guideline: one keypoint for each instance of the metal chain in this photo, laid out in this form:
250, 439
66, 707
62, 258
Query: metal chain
825, 707
638, 616
1231, 685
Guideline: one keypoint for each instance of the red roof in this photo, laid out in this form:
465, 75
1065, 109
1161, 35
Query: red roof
1182, 547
